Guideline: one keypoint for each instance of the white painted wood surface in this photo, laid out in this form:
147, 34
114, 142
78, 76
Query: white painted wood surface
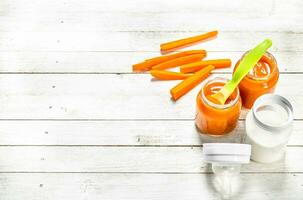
139, 41
76, 123
105, 62
116, 159
110, 96
139, 186
108, 133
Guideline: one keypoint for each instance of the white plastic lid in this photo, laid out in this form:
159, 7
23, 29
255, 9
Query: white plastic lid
231, 153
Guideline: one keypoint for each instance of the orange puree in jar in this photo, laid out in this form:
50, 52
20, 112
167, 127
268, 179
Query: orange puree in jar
212, 118
260, 80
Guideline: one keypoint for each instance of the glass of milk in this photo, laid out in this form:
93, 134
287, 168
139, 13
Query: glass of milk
268, 127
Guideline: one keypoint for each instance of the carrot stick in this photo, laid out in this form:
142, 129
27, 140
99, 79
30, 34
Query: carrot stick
179, 61
196, 66
167, 75
189, 83
147, 64
140, 67
161, 59
187, 41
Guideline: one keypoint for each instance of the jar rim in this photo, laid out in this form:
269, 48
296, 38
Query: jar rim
214, 105
269, 99
271, 73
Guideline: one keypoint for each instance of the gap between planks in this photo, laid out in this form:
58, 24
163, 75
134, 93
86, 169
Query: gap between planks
159, 119
117, 73
112, 145
67, 172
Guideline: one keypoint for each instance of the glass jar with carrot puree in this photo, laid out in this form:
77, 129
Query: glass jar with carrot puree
212, 118
262, 79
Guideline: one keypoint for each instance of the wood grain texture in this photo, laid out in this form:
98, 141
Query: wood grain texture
69, 6
114, 62
76, 123
157, 15
119, 133
141, 41
109, 96
127, 160
146, 186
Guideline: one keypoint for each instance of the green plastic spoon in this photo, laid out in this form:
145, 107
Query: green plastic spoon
247, 63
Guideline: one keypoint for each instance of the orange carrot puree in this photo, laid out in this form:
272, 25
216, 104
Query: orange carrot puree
212, 118
260, 80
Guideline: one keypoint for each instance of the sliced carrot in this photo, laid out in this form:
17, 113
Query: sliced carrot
189, 83
147, 64
167, 75
143, 66
196, 66
187, 41
179, 61
161, 59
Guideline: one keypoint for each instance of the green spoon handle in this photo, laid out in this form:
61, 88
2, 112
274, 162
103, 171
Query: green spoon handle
248, 62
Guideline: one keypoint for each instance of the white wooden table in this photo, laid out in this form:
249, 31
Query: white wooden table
76, 123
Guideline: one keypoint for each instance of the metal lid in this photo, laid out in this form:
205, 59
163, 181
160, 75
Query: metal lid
269, 100
231, 153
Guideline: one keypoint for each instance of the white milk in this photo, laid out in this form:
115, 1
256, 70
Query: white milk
268, 130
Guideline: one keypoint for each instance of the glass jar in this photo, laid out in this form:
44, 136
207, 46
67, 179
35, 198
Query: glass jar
226, 160
268, 127
262, 79
212, 118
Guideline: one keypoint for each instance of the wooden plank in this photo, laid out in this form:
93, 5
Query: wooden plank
146, 186
69, 37
109, 96
94, 6
151, 16
140, 41
109, 133
151, 21
126, 159
107, 62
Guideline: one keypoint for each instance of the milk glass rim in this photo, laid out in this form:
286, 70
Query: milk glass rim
276, 99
